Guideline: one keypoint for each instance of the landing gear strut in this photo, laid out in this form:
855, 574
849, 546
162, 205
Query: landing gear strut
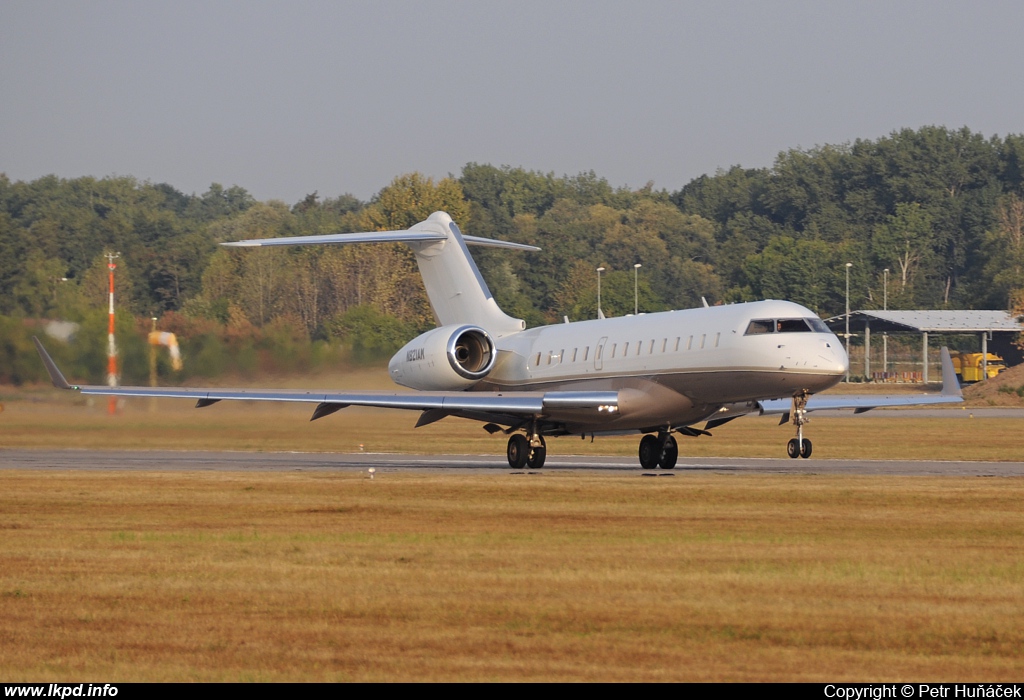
526, 451
799, 446
658, 450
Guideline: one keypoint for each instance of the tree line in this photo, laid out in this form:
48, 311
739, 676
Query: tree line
941, 209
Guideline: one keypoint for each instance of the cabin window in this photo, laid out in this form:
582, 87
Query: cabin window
703, 337
537, 361
614, 345
549, 357
586, 353
759, 326
561, 354
664, 344
651, 351
574, 354
689, 343
625, 350
677, 344
717, 337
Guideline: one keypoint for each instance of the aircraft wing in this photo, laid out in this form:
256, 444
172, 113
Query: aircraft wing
490, 404
865, 402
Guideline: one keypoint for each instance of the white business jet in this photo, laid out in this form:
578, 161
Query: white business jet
657, 374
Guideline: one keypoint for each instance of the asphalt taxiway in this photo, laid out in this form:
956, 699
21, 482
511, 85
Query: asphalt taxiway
166, 460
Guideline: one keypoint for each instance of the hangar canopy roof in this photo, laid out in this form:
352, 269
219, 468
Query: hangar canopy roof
927, 322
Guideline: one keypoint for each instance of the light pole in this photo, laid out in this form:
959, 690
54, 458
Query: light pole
885, 336
636, 297
111, 344
599, 271
848, 266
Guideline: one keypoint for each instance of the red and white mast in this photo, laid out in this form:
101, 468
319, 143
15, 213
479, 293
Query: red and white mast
111, 344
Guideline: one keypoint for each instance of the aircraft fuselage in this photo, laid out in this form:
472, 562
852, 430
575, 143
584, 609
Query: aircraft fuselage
682, 366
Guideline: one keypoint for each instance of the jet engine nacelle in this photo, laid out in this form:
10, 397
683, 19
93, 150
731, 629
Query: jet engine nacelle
448, 358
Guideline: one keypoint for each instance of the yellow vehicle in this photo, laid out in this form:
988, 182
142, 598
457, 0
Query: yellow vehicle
969, 365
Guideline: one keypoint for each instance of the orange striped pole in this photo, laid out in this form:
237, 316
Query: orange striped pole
111, 345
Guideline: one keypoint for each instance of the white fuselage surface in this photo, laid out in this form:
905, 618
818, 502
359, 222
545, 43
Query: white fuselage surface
671, 368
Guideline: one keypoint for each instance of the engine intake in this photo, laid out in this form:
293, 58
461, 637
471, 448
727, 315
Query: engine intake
471, 352
445, 359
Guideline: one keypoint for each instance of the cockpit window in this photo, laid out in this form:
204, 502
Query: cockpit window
759, 326
817, 325
786, 325
792, 325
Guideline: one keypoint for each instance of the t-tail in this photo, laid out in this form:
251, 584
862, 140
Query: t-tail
457, 291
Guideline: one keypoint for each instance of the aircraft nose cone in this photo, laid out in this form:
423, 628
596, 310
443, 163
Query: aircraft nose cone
842, 361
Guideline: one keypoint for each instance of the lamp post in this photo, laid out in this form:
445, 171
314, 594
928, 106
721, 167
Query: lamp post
848, 266
885, 307
636, 297
599, 271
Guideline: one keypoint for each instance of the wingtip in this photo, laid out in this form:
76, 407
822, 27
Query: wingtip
51, 367
950, 384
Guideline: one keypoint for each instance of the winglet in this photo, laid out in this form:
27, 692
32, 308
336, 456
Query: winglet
55, 375
950, 384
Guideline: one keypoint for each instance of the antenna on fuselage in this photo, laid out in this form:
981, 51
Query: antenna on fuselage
705, 302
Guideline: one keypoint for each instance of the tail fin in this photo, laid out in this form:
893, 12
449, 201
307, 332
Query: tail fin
455, 288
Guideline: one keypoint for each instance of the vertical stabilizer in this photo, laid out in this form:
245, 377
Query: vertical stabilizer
455, 287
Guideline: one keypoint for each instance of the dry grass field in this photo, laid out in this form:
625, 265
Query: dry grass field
556, 576
560, 576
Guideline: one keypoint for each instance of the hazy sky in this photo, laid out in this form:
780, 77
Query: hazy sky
287, 98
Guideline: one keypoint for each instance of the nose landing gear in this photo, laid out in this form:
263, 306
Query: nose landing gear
799, 446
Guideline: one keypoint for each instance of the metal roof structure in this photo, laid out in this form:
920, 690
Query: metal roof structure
927, 322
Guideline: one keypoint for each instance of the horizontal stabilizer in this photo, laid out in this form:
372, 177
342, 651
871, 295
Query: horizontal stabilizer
374, 237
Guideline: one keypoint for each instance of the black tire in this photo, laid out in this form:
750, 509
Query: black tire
518, 451
793, 448
671, 453
650, 452
805, 451
537, 456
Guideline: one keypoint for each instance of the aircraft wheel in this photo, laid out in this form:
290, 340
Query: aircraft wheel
792, 449
518, 451
537, 455
668, 459
805, 452
650, 452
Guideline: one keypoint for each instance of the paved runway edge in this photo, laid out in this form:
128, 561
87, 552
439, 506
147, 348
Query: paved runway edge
110, 460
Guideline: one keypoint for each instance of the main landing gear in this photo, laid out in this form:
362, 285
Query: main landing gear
658, 450
526, 451
799, 446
